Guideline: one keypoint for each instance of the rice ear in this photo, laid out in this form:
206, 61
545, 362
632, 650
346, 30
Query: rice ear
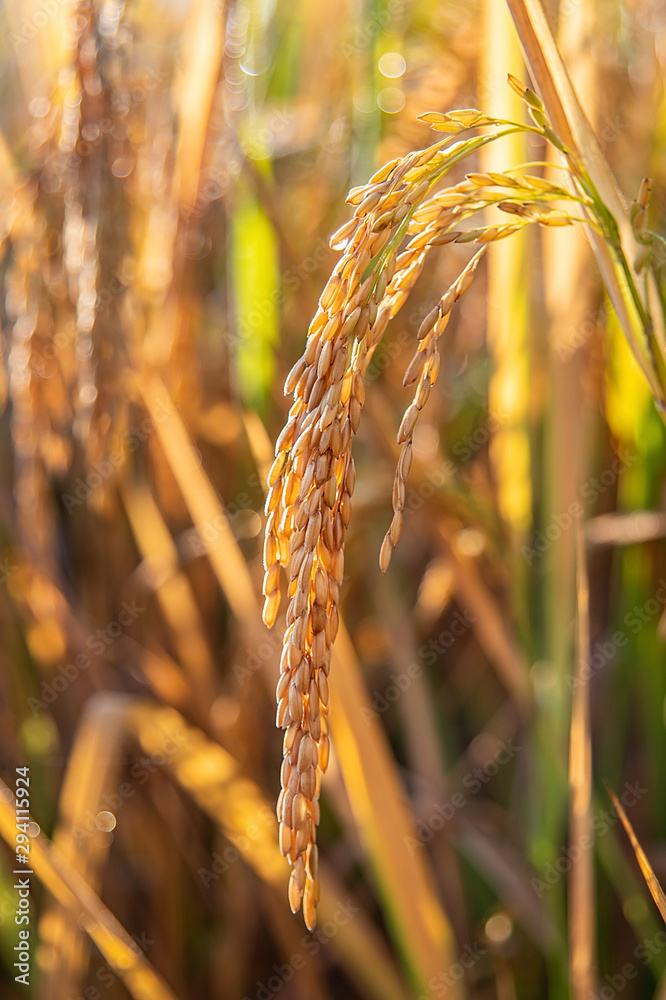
310, 483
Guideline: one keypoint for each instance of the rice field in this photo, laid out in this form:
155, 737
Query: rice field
332, 503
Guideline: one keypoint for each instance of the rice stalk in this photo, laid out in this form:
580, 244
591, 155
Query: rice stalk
233, 575
559, 468
640, 312
32, 421
202, 48
182, 129
581, 879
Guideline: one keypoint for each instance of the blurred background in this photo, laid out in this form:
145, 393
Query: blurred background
170, 177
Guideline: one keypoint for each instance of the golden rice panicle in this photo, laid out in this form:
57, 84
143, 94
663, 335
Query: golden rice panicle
311, 481
310, 488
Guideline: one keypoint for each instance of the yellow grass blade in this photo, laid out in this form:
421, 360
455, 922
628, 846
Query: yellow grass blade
651, 879
195, 91
259, 443
384, 823
173, 590
164, 677
581, 878
203, 504
85, 907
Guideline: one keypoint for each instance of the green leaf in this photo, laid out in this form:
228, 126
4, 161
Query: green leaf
256, 290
